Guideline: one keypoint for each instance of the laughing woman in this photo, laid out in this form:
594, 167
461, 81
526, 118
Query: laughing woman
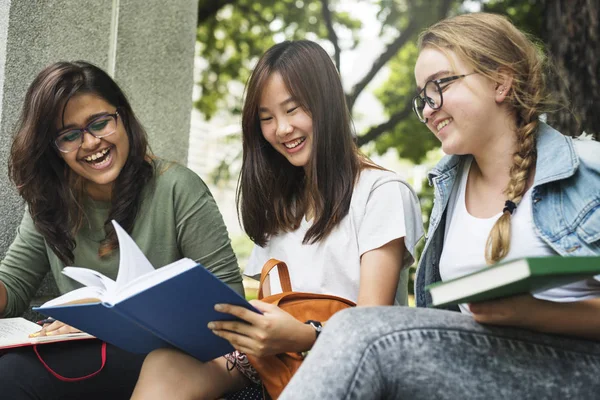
80, 159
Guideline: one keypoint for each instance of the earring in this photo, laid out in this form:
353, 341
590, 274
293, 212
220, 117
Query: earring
501, 90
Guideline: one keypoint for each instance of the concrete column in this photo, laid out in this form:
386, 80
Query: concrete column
146, 45
155, 64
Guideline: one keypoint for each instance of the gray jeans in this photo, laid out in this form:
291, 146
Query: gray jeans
415, 353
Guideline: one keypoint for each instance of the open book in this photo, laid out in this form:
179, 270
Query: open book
14, 332
526, 275
147, 308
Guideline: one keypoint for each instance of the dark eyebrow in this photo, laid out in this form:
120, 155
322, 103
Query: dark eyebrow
89, 119
434, 77
283, 103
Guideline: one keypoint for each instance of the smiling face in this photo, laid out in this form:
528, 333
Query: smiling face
469, 112
99, 160
284, 123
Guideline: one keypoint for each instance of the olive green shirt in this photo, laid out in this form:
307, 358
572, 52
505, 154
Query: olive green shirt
178, 218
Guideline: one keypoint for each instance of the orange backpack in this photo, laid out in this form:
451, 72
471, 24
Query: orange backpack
277, 370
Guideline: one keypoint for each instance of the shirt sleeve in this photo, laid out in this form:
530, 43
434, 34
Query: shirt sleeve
256, 261
392, 212
201, 232
23, 268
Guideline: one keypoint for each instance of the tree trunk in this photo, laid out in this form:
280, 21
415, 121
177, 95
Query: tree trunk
573, 39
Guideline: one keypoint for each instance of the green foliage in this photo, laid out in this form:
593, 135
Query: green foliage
242, 247
411, 138
232, 42
426, 201
526, 15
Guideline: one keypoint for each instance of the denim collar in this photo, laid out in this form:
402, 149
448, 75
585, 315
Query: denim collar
556, 158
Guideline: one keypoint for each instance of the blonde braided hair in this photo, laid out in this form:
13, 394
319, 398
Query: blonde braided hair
494, 46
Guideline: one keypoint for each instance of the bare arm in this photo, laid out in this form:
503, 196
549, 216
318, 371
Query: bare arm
3, 297
581, 318
379, 274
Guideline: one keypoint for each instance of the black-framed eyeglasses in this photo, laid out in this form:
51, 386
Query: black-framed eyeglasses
431, 95
72, 139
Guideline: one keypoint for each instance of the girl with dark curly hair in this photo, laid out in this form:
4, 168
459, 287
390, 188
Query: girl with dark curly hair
80, 158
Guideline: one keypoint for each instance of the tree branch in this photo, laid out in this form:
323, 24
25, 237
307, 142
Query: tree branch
331, 35
389, 52
380, 129
208, 9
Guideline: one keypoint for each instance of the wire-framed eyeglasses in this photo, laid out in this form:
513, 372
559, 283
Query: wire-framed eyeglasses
431, 95
72, 139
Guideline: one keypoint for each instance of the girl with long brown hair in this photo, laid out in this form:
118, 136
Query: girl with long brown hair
511, 187
80, 158
344, 226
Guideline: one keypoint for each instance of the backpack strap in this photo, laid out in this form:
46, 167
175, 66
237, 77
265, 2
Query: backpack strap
284, 275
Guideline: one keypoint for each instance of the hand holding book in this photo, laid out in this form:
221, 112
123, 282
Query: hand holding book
146, 308
510, 278
507, 311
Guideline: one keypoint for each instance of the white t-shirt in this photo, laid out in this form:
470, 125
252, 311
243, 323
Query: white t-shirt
466, 237
383, 208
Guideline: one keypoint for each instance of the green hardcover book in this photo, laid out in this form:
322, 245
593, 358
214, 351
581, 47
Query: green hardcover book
526, 275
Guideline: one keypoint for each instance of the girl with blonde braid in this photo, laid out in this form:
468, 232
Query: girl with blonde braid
510, 187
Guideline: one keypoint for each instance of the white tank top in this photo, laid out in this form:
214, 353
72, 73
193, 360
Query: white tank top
466, 237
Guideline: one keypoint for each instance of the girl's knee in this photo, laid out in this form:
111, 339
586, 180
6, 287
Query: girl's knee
161, 357
162, 365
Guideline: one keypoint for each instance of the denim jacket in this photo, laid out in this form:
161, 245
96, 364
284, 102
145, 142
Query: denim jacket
565, 202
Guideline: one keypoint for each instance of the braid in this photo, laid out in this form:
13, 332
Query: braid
498, 243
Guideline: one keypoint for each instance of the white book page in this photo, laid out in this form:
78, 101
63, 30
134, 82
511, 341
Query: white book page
151, 279
135, 275
90, 277
132, 262
81, 295
60, 338
16, 330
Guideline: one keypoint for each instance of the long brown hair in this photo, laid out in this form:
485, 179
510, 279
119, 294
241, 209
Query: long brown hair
273, 195
492, 45
52, 191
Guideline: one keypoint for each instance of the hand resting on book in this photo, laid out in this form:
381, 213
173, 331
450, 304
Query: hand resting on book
55, 328
508, 311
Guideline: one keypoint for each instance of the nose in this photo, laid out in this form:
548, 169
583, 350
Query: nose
427, 112
284, 128
89, 141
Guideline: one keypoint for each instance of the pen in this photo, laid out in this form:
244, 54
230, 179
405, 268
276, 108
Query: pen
46, 321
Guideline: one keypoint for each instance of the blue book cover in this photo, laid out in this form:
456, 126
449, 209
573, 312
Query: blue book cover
166, 307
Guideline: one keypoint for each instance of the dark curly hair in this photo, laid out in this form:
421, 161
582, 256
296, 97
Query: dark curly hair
52, 191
